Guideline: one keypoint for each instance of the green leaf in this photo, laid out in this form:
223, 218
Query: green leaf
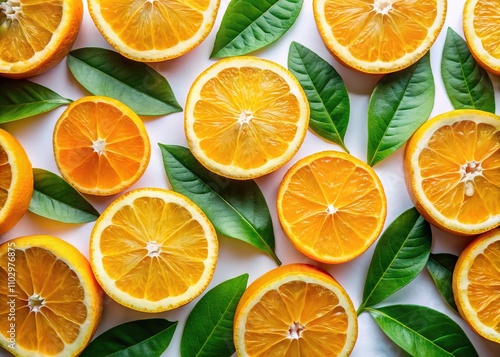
105, 72
441, 267
422, 331
236, 208
209, 327
56, 199
401, 253
21, 99
399, 104
249, 25
148, 337
468, 85
326, 93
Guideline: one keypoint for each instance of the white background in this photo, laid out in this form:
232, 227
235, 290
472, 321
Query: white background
237, 257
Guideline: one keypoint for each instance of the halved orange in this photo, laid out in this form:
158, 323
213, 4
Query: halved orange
379, 36
295, 310
101, 146
245, 117
36, 35
51, 303
154, 30
452, 169
476, 279
332, 206
153, 250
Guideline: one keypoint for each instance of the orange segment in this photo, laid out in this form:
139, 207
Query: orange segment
331, 206
100, 145
291, 311
153, 250
54, 299
379, 36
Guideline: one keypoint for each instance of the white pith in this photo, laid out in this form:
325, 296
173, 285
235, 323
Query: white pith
382, 6
99, 146
11, 10
35, 303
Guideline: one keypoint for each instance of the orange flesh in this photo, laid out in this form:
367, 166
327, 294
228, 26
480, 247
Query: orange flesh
248, 117
57, 323
5, 177
167, 226
486, 23
322, 326
448, 154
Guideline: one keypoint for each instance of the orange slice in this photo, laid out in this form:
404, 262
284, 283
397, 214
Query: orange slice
153, 250
452, 168
101, 146
245, 117
295, 310
475, 285
16, 181
154, 30
379, 36
331, 206
36, 35
51, 303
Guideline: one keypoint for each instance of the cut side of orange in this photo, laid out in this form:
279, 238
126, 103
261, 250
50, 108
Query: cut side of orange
155, 30
153, 250
476, 281
481, 23
245, 117
36, 35
101, 146
332, 206
379, 36
49, 294
295, 310
452, 169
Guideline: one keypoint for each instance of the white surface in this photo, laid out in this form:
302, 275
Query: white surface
236, 257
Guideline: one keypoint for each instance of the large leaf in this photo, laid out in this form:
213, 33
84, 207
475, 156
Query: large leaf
399, 104
468, 85
236, 208
56, 199
441, 267
209, 327
326, 93
401, 253
148, 337
105, 72
248, 25
422, 331
21, 99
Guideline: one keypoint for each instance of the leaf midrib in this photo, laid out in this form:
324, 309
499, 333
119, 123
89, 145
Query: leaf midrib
463, 73
67, 206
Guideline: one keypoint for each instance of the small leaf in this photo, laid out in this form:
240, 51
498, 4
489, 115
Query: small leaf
148, 337
422, 331
236, 208
56, 199
21, 99
326, 93
209, 326
441, 267
105, 72
249, 25
400, 255
399, 104
468, 85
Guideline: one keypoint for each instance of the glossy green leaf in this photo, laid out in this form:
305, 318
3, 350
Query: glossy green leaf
249, 25
401, 253
20, 98
441, 267
236, 208
56, 199
105, 72
468, 85
422, 331
209, 327
326, 93
149, 337
399, 104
